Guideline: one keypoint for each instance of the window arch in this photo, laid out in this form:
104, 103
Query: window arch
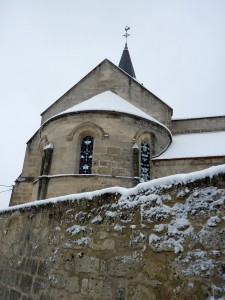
86, 154
145, 161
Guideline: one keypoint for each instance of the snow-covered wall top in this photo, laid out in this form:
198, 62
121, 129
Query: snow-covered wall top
178, 179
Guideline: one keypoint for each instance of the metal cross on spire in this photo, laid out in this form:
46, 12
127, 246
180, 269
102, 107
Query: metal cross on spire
126, 34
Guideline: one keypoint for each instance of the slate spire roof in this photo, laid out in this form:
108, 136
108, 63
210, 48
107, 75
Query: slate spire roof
126, 63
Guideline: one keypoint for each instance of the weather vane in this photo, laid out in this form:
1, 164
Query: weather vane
126, 34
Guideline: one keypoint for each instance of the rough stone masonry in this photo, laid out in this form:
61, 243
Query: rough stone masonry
156, 241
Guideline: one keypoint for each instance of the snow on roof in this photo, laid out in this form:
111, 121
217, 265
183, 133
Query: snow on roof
108, 101
49, 146
195, 145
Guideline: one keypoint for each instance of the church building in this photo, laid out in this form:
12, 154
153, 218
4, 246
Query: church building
109, 130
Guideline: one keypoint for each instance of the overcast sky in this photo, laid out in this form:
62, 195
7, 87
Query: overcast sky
177, 49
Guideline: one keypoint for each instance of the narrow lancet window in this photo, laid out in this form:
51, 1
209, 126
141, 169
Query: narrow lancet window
86, 153
145, 161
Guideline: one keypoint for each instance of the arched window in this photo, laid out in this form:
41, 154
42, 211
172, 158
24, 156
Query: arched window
145, 161
86, 153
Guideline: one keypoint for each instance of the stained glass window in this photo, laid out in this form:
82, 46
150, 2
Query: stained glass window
145, 161
86, 155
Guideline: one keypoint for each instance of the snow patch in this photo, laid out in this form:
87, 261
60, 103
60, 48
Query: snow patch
75, 229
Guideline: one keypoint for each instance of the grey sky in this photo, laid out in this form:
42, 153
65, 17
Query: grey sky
177, 48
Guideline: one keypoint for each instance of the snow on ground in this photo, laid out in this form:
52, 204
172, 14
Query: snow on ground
195, 145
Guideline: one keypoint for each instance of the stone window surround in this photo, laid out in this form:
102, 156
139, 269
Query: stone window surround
79, 132
148, 137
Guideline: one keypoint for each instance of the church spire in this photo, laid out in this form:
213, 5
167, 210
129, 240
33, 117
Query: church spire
125, 61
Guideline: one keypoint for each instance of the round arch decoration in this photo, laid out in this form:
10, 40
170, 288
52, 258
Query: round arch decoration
147, 136
87, 127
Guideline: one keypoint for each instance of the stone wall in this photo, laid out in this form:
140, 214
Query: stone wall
23, 188
167, 167
192, 125
114, 136
156, 241
64, 185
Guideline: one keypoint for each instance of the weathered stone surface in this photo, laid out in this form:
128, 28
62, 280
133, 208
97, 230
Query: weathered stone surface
57, 280
100, 289
72, 285
39, 285
107, 244
141, 292
26, 283
14, 295
43, 268
31, 266
87, 264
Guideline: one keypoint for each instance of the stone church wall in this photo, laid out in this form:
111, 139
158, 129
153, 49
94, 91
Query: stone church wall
71, 184
208, 124
23, 188
114, 136
153, 242
167, 167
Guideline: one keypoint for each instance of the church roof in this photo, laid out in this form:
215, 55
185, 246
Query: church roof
91, 73
195, 145
109, 101
126, 63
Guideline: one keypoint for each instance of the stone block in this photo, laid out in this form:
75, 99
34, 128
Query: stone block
107, 244
123, 266
29, 249
31, 266
57, 280
84, 286
72, 284
69, 264
43, 269
17, 280
45, 296
112, 150
6, 277
4, 292
122, 243
138, 240
100, 289
121, 292
1, 271
103, 170
26, 283
103, 271
87, 264
141, 292
39, 250
39, 285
